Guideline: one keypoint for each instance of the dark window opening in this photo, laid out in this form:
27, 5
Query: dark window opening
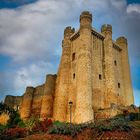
119, 85
100, 76
115, 63
73, 56
74, 76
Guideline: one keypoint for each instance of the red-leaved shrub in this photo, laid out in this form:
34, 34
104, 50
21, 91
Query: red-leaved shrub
13, 133
42, 126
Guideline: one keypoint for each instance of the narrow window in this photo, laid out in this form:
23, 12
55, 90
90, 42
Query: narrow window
100, 76
73, 75
119, 85
115, 63
73, 56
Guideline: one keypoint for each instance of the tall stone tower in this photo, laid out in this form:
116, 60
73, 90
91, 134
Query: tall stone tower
93, 75
126, 76
83, 110
92, 72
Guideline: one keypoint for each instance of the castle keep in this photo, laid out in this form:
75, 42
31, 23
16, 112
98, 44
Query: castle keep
93, 74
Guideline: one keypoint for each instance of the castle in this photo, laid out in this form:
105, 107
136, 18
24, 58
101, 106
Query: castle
93, 75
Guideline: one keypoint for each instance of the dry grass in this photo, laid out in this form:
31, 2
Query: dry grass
4, 118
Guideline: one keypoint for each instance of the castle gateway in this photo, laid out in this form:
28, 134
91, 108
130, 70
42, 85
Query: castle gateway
93, 74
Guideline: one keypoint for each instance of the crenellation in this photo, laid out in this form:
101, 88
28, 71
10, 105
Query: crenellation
106, 28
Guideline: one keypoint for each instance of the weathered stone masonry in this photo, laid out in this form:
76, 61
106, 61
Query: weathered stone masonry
93, 73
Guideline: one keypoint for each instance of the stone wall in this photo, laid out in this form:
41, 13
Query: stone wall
13, 101
38, 101
48, 97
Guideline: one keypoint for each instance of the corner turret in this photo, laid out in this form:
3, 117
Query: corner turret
128, 92
68, 32
106, 29
85, 20
121, 40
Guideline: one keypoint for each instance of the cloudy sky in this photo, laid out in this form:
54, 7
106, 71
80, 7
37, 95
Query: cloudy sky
31, 32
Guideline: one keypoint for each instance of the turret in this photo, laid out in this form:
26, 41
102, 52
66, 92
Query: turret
106, 29
128, 92
68, 32
110, 87
85, 20
122, 41
83, 110
62, 83
47, 100
27, 103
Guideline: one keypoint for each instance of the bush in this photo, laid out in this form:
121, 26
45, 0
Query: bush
42, 126
134, 116
14, 119
29, 124
113, 124
13, 133
3, 127
66, 129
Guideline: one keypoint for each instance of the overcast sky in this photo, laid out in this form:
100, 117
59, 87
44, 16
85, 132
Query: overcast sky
31, 33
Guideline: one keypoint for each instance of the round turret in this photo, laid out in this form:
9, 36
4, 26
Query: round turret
106, 28
121, 40
29, 89
68, 31
50, 76
85, 19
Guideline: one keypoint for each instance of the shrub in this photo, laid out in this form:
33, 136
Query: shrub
13, 133
134, 116
66, 129
113, 124
2, 128
29, 124
14, 119
42, 126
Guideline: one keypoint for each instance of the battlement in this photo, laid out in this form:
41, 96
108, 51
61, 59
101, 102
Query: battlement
29, 90
121, 40
85, 19
106, 28
86, 14
50, 76
68, 31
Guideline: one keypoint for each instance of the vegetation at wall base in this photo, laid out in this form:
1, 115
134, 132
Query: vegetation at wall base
118, 127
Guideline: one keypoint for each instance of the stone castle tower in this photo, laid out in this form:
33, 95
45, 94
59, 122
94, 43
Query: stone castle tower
93, 74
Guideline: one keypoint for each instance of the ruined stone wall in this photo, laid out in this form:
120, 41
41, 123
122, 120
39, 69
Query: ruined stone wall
37, 100
26, 104
13, 101
48, 97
